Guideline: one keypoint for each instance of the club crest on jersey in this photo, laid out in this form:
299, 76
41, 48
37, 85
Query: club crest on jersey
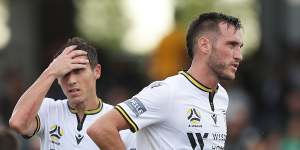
56, 132
194, 117
136, 106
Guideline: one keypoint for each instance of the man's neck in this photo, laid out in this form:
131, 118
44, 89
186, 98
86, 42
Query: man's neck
90, 104
204, 75
87, 104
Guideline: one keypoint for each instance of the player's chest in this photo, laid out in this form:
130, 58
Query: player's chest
198, 118
200, 125
68, 132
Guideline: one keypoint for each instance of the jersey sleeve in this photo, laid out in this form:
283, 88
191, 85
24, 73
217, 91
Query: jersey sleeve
148, 107
129, 139
43, 115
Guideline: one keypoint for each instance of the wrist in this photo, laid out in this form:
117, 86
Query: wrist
48, 74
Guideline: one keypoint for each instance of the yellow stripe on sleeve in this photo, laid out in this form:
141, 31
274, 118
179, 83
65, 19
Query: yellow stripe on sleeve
134, 127
38, 126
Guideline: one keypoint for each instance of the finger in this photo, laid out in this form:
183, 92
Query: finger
80, 61
79, 66
76, 53
69, 49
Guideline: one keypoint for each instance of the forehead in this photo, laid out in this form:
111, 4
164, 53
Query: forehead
229, 32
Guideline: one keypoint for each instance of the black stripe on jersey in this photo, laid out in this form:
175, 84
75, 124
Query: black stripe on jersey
202, 87
134, 127
37, 128
38, 122
200, 140
80, 123
192, 140
195, 82
211, 100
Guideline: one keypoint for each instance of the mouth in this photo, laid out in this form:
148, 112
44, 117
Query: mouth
235, 66
74, 91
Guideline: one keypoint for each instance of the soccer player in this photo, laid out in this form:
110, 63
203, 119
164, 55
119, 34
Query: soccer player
188, 110
62, 124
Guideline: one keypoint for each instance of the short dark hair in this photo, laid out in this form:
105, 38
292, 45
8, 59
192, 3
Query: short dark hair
85, 46
207, 22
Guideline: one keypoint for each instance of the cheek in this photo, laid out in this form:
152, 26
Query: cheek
88, 83
226, 56
218, 59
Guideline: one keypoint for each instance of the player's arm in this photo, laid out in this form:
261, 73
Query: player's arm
24, 117
105, 131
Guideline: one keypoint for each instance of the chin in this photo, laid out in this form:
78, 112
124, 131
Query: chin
227, 76
76, 100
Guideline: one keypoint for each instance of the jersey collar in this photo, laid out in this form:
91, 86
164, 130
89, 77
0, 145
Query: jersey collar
197, 84
89, 112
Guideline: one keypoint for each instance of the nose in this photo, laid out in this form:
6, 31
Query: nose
238, 55
71, 79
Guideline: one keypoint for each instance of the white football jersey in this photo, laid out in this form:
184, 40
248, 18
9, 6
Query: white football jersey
177, 113
59, 127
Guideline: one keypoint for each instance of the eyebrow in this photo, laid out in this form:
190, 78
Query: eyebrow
235, 43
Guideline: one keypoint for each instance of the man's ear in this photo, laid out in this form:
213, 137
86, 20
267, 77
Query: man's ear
97, 71
204, 44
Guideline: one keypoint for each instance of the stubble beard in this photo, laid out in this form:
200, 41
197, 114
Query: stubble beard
220, 72
219, 68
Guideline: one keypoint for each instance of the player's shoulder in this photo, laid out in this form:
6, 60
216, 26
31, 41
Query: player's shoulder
168, 82
175, 79
159, 90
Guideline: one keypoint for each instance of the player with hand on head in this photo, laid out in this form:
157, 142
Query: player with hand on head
188, 110
62, 124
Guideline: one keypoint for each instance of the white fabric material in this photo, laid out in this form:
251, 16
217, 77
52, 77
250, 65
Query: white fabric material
175, 114
58, 127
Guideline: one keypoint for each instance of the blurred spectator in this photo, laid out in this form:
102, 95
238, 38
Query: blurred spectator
8, 140
169, 57
271, 141
13, 90
291, 141
293, 102
241, 134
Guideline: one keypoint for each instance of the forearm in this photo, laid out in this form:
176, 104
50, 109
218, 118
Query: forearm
29, 103
106, 138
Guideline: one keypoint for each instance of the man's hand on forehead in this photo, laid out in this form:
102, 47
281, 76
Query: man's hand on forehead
73, 52
70, 59
79, 56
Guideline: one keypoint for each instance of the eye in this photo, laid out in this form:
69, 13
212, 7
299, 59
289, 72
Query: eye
77, 71
234, 44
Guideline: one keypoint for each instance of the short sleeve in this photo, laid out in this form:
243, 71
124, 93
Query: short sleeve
43, 115
129, 139
148, 107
